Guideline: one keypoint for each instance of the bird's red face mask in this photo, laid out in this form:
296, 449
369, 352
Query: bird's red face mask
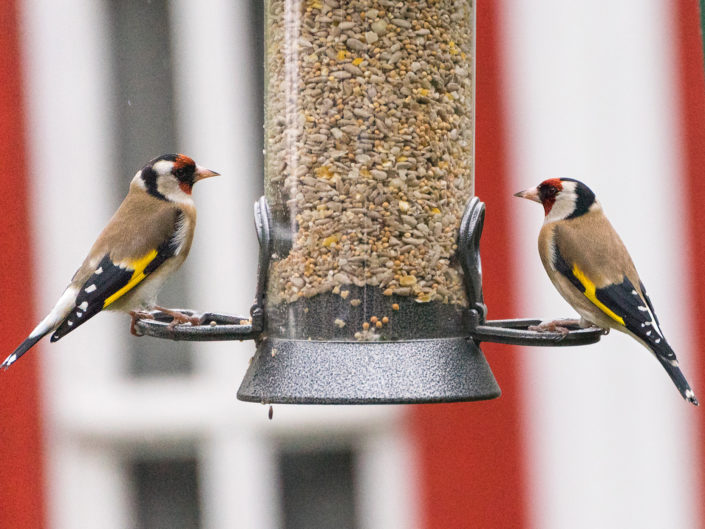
188, 173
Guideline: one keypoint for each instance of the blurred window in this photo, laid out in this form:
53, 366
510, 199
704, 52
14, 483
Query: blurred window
318, 490
165, 494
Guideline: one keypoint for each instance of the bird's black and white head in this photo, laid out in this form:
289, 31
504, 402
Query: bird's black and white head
562, 198
171, 177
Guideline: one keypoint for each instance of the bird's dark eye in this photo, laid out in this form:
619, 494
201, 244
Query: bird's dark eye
180, 173
548, 190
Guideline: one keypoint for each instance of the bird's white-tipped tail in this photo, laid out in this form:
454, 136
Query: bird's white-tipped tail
48, 324
675, 373
22, 349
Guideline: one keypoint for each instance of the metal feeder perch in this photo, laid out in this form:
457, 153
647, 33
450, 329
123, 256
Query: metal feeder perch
369, 287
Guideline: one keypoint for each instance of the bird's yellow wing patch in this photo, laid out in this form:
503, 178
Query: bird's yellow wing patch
138, 266
590, 293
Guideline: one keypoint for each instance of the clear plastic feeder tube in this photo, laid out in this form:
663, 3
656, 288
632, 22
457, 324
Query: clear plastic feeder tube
369, 165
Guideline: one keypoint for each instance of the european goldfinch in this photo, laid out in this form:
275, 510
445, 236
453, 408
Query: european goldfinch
591, 268
146, 240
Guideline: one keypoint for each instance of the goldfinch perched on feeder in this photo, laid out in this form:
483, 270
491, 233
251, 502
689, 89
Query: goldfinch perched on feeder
589, 265
146, 240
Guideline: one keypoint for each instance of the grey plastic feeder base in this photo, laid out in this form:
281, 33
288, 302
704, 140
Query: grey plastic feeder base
401, 372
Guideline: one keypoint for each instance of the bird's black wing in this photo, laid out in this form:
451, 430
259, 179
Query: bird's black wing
637, 314
112, 280
621, 302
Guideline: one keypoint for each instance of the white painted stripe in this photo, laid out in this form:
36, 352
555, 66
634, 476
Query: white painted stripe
591, 97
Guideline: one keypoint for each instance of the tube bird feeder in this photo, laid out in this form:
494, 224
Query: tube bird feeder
370, 284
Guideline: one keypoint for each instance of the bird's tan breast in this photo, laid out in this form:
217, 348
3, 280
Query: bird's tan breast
590, 243
139, 226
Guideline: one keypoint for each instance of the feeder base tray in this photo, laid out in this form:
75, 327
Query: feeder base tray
400, 372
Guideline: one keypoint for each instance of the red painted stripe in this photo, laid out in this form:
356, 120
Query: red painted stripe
472, 471
21, 485
691, 73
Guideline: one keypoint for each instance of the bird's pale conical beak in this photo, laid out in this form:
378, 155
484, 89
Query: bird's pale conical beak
531, 194
201, 172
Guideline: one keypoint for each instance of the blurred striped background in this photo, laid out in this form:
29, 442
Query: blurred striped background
103, 430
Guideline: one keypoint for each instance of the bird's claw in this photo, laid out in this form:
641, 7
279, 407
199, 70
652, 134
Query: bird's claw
180, 318
137, 315
559, 326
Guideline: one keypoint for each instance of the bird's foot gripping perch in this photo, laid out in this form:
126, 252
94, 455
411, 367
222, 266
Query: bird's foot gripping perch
180, 317
560, 326
208, 326
136, 316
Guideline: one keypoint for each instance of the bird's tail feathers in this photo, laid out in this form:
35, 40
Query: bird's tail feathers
23, 348
667, 358
48, 324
